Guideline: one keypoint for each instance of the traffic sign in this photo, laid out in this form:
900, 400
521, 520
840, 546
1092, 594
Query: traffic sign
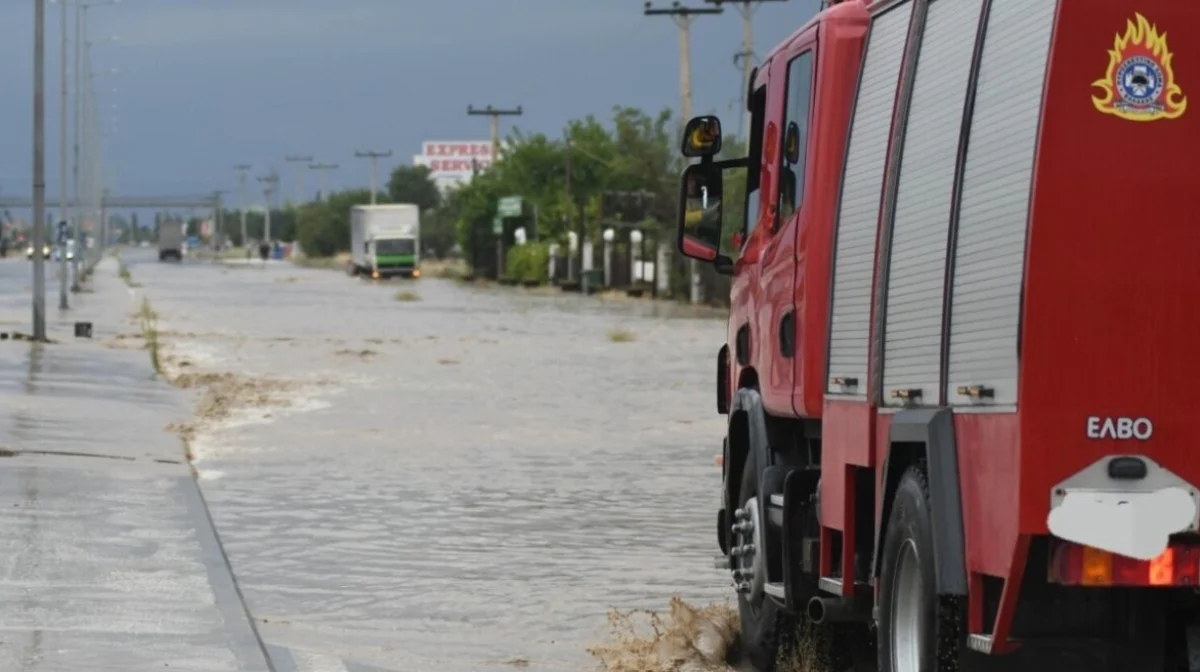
509, 206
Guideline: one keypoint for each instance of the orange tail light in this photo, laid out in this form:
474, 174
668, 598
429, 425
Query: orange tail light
1077, 565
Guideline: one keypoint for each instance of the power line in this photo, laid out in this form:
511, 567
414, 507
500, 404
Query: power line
374, 157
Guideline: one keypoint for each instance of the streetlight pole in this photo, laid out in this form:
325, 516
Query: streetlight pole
81, 110
495, 115
323, 169
374, 157
303, 161
62, 162
683, 17
39, 169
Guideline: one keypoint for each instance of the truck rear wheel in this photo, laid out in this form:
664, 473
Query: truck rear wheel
764, 623
918, 631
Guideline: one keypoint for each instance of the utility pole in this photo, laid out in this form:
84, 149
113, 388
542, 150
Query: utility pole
62, 161
746, 9
374, 157
323, 169
573, 214
303, 161
683, 17
241, 169
269, 183
495, 115
39, 169
218, 208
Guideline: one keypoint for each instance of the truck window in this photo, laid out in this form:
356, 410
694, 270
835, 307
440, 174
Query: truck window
395, 246
758, 110
795, 137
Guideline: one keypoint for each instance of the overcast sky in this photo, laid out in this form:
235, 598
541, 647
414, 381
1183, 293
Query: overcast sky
204, 84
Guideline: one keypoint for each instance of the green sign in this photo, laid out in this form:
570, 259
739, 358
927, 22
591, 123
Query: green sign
509, 206
498, 225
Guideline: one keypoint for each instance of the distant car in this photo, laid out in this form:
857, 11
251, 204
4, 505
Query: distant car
57, 253
45, 252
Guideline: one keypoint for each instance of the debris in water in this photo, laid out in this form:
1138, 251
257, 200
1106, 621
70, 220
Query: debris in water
690, 639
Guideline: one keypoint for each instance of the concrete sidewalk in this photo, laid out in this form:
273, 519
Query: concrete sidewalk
108, 558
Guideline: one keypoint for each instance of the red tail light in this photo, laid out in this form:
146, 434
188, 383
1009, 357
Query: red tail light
1076, 565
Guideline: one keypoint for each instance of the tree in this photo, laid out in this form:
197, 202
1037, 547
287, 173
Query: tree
414, 184
323, 227
636, 152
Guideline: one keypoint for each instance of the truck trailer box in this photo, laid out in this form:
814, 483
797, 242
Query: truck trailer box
385, 240
170, 241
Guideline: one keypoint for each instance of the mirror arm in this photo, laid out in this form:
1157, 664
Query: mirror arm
723, 265
731, 163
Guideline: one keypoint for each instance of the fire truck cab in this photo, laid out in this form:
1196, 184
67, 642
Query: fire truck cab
964, 319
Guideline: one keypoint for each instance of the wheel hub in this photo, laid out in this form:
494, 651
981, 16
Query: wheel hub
907, 624
746, 555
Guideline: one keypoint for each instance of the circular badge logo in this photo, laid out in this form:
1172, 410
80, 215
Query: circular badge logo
1140, 81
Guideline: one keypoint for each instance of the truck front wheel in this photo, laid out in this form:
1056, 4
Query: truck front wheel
918, 631
763, 622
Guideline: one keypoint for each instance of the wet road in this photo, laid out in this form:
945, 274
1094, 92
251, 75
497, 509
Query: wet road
464, 479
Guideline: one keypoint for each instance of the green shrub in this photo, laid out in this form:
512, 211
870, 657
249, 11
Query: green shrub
529, 262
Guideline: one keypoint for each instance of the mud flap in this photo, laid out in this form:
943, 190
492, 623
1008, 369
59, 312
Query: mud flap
933, 428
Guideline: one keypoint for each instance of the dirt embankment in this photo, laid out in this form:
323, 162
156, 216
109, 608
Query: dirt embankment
221, 394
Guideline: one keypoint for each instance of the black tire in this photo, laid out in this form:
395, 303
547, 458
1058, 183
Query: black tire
941, 634
764, 624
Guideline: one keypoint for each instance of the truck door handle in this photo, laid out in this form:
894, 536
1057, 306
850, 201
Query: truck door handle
787, 334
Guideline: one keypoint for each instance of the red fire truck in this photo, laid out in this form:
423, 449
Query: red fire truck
965, 312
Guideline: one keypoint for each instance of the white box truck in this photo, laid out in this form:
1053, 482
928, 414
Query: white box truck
385, 240
170, 241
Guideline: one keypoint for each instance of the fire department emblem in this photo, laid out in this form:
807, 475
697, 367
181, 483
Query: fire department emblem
1140, 84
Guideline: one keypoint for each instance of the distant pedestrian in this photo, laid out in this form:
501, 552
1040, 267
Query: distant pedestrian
264, 250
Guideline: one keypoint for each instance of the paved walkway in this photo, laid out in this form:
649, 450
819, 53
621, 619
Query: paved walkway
108, 558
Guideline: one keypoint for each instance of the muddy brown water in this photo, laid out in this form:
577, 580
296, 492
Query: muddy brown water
468, 480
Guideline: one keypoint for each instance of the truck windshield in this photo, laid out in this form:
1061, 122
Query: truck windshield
395, 246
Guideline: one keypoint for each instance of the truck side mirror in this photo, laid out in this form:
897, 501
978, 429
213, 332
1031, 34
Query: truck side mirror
702, 137
700, 211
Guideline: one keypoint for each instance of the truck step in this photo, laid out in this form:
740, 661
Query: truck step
980, 643
775, 590
775, 510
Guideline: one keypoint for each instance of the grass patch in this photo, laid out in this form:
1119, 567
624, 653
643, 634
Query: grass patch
149, 323
455, 269
123, 272
621, 335
405, 295
336, 262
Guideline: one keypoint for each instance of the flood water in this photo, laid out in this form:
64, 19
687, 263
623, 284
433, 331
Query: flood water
460, 478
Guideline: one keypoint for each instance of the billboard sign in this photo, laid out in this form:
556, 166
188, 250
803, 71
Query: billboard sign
453, 162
